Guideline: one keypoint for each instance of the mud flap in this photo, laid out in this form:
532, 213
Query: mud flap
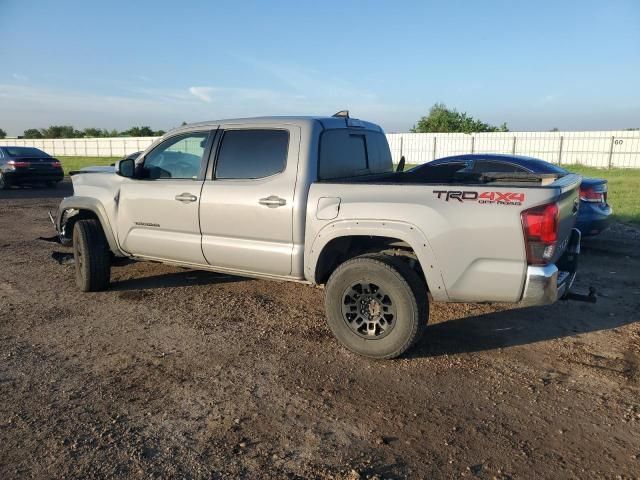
568, 264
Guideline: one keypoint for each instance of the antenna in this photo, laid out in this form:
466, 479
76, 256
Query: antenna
341, 114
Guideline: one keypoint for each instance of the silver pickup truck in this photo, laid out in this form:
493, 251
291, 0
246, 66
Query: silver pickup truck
317, 200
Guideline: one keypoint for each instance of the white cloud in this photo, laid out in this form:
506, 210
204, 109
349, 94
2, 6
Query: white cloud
203, 93
25, 106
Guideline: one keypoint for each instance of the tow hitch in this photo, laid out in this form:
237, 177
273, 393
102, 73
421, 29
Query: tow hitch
580, 297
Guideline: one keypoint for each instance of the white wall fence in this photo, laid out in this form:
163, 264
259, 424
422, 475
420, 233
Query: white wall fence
603, 149
85, 147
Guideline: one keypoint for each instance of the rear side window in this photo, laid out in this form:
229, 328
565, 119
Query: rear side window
378, 153
24, 152
484, 166
342, 154
247, 154
350, 152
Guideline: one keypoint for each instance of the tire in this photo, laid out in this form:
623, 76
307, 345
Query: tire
91, 255
4, 185
391, 306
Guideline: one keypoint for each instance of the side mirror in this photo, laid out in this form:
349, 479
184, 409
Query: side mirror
401, 164
126, 168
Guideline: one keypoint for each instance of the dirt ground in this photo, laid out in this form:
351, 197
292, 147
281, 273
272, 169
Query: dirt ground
184, 374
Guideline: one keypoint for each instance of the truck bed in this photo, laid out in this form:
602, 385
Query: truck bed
473, 237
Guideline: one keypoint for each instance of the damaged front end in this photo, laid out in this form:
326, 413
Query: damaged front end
61, 222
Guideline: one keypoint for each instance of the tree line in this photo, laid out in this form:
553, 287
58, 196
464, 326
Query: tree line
441, 119
67, 131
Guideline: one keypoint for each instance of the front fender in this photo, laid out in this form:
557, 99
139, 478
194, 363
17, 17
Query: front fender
94, 206
406, 232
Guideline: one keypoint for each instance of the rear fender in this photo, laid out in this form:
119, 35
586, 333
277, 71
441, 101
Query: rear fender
406, 232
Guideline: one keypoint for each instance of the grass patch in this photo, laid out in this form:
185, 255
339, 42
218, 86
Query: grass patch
69, 164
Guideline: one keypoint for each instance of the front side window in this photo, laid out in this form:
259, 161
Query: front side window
249, 154
179, 157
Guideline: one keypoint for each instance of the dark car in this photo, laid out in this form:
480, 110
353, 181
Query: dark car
28, 165
594, 213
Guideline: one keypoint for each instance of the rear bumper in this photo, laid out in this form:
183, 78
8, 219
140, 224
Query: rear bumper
547, 284
593, 218
544, 285
17, 177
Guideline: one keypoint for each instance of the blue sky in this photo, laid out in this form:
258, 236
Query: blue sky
536, 65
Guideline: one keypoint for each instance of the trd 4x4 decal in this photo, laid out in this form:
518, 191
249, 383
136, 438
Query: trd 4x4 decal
497, 198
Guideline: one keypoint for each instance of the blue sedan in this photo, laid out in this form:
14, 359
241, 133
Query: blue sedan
594, 213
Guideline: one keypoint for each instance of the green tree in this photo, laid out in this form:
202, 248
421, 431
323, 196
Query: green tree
139, 132
3, 134
61, 131
32, 133
94, 132
442, 119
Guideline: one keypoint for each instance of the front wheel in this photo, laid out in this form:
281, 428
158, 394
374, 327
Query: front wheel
91, 255
376, 306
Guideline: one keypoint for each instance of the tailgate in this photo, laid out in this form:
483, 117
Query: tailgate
568, 204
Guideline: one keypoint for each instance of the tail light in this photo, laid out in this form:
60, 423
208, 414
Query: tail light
56, 164
540, 226
17, 163
593, 194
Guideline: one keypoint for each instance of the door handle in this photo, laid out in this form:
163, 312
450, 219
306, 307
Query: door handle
186, 198
273, 201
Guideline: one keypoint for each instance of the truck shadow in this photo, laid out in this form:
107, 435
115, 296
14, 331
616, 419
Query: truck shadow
511, 328
187, 278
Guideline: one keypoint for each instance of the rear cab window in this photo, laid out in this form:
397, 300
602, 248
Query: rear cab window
353, 152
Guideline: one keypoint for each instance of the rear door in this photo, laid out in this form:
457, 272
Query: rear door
246, 210
158, 210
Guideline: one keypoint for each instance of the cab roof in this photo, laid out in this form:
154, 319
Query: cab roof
302, 121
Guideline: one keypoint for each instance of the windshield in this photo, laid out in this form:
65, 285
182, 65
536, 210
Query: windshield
24, 152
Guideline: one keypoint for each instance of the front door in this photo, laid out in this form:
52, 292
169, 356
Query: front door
246, 212
158, 209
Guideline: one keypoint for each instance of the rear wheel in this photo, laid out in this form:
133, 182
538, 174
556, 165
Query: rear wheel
376, 305
91, 255
4, 184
